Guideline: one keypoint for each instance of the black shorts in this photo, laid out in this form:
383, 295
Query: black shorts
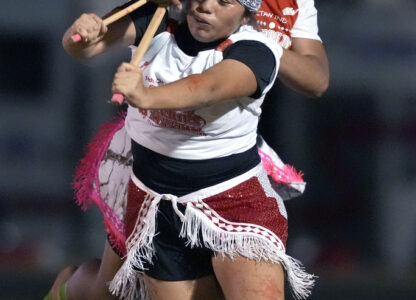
173, 259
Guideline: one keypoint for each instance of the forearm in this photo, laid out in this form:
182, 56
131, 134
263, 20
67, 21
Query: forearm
305, 69
193, 91
228, 79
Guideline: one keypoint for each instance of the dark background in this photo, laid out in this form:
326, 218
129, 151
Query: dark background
355, 225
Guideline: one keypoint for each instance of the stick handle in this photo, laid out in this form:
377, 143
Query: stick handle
114, 17
144, 44
148, 35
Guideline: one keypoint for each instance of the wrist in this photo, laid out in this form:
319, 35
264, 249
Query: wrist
142, 98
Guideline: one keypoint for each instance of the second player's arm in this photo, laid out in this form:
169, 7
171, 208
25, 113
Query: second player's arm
304, 67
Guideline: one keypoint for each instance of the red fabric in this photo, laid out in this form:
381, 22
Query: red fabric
271, 12
247, 203
135, 200
245, 208
180, 120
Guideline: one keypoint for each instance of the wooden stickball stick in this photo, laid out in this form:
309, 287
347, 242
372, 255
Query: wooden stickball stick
144, 44
114, 17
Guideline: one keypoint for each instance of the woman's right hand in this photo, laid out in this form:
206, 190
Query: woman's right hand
90, 27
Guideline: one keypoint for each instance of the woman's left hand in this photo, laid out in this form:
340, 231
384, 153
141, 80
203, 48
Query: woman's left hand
128, 81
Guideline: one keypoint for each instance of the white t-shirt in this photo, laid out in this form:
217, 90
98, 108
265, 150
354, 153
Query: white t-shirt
306, 25
217, 130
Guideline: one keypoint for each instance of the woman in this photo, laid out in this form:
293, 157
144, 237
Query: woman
203, 116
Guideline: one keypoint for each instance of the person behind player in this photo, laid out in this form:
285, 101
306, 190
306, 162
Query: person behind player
93, 268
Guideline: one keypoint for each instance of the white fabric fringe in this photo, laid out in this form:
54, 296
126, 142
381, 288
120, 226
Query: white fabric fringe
283, 40
250, 245
140, 250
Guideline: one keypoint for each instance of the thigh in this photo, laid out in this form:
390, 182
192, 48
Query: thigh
244, 279
110, 264
204, 288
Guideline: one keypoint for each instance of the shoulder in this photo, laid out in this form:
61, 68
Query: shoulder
306, 8
256, 51
248, 33
306, 25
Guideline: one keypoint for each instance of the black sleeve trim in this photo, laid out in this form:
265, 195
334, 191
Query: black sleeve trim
258, 57
141, 18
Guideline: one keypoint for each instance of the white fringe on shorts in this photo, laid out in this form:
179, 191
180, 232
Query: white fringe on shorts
250, 245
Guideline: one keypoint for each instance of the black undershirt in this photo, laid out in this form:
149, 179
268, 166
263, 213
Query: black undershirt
179, 177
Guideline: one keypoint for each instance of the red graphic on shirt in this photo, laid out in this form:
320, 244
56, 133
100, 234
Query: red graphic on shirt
277, 18
179, 120
145, 64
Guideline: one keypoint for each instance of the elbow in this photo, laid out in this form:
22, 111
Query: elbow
319, 89
321, 81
